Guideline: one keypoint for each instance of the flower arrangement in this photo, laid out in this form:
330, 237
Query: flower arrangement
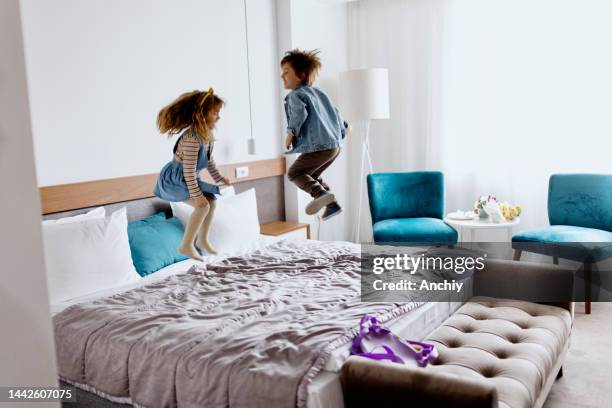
509, 211
487, 206
481, 203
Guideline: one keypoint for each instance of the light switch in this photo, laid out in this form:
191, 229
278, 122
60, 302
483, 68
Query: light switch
242, 172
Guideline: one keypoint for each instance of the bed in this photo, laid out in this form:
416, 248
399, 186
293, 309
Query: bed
269, 325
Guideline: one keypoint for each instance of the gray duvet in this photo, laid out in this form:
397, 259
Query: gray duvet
244, 332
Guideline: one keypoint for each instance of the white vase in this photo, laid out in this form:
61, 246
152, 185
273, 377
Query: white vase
494, 213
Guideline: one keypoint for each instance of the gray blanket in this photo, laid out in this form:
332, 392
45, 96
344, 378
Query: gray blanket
245, 332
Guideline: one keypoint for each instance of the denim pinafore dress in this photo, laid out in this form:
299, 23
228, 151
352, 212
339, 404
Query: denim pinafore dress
171, 185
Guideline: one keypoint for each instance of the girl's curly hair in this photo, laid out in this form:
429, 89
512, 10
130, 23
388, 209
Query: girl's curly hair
189, 111
304, 63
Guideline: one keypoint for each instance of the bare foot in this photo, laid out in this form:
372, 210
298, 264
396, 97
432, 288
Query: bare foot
205, 246
190, 252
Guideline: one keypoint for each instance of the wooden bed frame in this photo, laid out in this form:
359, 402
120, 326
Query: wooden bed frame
74, 196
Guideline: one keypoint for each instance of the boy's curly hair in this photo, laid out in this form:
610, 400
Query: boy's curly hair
304, 63
189, 111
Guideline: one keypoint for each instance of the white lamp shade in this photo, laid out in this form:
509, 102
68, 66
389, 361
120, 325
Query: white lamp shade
364, 94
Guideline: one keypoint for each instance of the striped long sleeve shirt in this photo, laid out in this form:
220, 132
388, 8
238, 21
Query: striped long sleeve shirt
187, 153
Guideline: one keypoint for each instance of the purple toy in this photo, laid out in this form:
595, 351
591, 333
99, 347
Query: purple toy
379, 343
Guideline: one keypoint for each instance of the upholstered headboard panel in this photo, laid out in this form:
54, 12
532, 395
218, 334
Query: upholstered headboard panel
269, 191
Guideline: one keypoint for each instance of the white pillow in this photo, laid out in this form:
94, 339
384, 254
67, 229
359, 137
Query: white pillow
96, 213
235, 225
227, 191
181, 211
87, 256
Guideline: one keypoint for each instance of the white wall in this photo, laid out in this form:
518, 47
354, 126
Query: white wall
319, 24
26, 339
99, 72
265, 83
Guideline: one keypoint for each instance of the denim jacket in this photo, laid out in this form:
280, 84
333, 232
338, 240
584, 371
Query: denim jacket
315, 123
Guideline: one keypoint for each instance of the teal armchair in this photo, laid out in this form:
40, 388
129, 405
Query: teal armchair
580, 216
407, 208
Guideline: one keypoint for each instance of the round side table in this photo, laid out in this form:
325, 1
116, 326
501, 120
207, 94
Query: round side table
467, 228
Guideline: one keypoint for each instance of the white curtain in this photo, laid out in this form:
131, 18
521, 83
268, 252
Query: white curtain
497, 94
395, 34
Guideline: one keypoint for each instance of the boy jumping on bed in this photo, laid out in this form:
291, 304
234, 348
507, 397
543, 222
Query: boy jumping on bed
314, 128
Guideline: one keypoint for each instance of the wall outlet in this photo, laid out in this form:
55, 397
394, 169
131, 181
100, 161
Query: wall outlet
242, 172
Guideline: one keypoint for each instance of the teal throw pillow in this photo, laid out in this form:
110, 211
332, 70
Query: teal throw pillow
153, 242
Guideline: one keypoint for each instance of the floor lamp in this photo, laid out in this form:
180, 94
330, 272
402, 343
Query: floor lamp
364, 97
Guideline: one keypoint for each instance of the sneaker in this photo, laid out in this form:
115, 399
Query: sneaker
321, 201
330, 211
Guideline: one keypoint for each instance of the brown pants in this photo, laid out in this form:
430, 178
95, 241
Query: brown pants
306, 171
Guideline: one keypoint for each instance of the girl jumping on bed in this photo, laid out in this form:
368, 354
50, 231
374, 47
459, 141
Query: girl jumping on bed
195, 114
314, 128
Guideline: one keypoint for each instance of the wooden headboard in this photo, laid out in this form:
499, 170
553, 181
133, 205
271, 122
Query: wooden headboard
68, 197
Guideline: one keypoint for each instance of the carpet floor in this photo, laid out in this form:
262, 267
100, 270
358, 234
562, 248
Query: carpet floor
587, 371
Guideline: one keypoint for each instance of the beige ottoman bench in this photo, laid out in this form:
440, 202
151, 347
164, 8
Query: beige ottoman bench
492, 352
